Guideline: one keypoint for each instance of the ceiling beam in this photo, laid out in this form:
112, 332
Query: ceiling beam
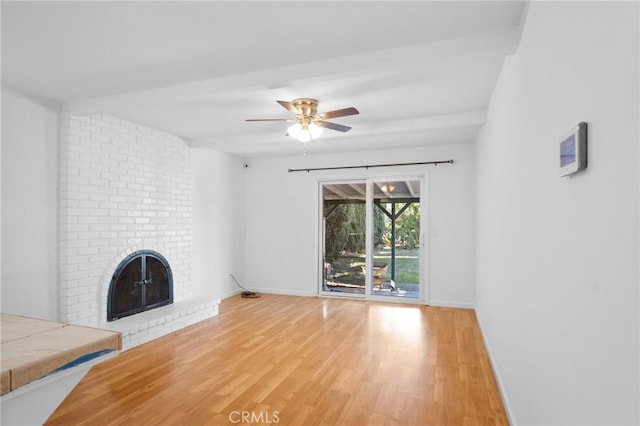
410, 188
359, 188
501, 42
336, 191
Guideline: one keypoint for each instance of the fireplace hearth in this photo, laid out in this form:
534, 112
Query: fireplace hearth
141, 282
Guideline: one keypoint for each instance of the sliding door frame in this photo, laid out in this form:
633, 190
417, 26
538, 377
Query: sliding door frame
424, 263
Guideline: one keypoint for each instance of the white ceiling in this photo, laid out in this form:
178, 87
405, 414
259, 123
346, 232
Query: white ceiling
419, 72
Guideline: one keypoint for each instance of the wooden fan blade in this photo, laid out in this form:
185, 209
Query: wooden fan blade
289, 107
339, 113
334, 126
270, 119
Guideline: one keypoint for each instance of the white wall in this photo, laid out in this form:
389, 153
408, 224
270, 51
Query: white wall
29, 206
219, 205
282, 228
558, 256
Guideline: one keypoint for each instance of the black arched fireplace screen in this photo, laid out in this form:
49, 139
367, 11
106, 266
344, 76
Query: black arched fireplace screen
142, 281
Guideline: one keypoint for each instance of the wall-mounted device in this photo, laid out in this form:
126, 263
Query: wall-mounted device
573, 150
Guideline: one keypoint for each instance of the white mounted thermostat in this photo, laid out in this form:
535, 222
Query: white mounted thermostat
573, 150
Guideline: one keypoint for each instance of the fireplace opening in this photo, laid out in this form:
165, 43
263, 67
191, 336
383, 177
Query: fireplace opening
142, 281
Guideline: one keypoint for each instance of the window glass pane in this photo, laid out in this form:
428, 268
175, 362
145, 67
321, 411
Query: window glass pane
344, 223
396, 225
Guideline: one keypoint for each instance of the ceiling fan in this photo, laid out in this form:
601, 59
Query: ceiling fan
308, 123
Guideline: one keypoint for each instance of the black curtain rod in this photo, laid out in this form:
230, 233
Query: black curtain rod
370, 166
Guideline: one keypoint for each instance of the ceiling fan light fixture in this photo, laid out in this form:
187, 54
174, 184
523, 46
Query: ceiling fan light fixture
305, 134
315, 130
294, 130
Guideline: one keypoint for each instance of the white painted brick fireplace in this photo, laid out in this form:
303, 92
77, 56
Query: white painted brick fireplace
124, 187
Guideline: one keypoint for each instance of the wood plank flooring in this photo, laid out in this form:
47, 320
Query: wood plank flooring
299, 361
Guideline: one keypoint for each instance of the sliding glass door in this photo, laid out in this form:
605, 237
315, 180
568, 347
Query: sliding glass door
397, 238
344, 242
371, 239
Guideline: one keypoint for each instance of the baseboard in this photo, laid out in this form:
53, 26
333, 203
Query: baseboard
450, 304
496, 374
231, 293
438, 303
284, 292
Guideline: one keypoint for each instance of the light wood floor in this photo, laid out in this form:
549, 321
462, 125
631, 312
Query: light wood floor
299, 361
